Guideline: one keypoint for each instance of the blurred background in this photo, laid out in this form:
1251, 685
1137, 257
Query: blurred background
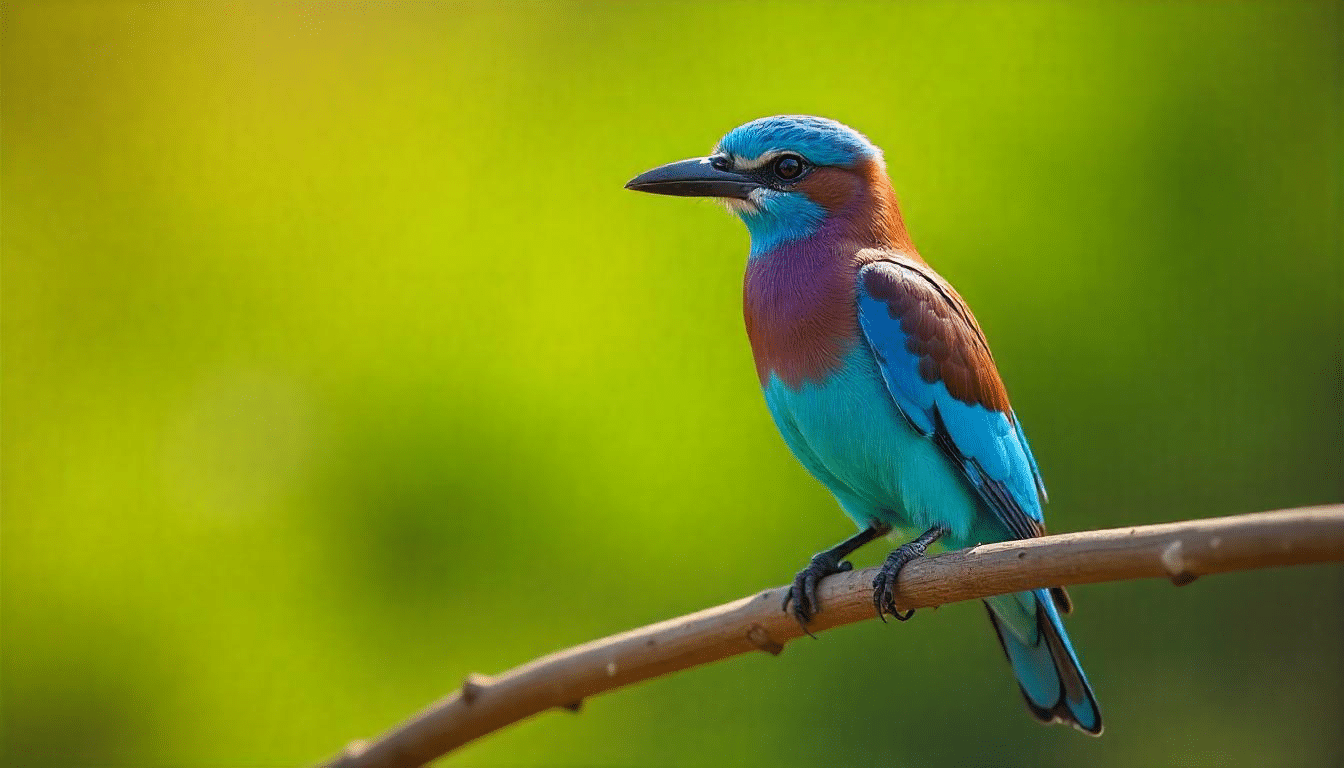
338, 364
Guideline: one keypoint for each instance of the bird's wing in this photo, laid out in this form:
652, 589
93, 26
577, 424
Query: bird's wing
938, 369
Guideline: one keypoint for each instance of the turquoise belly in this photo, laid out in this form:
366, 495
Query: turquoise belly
850, 435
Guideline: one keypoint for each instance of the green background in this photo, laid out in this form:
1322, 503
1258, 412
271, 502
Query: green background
338, 364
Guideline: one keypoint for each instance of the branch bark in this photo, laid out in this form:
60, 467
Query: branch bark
1179, 551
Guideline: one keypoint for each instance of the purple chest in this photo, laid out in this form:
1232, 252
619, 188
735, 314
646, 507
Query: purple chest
799, 305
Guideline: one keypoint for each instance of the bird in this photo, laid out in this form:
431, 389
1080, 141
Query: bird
880, 380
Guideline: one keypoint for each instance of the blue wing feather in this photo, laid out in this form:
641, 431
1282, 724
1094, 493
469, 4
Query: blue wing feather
990, 449
987, 445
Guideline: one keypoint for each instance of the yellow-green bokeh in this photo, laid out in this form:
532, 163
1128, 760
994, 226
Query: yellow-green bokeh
337, 365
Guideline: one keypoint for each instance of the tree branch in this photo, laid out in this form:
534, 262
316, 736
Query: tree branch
1179, 551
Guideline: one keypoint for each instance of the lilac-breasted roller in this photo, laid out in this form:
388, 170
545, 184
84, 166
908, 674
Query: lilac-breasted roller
880, 379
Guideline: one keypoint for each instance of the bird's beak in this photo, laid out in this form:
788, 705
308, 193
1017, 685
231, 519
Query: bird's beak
696, 177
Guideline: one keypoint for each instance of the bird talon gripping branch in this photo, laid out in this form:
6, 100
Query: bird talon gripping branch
803, 593
879, 377
884, 586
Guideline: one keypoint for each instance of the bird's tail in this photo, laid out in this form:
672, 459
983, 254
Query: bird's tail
1042, 657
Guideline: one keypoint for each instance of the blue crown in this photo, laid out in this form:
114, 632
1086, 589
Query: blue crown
819, 140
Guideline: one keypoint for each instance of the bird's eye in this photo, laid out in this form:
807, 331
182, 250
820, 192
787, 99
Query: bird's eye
720, 162
788, 167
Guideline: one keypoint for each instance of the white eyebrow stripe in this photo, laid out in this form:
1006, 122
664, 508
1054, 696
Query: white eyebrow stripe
743, 164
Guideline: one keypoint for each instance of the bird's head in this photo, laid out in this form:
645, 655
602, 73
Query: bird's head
787, 177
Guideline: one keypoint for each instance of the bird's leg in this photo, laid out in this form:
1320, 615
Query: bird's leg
884, 586
803, 593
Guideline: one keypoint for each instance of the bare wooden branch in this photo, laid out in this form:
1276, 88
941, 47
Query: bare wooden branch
1180, 552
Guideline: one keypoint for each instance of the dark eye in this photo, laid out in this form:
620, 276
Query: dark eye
720, 162
788, 167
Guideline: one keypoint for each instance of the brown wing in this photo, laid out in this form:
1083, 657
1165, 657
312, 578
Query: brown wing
941, 330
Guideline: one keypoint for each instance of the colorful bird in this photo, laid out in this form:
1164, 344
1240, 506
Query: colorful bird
880, 379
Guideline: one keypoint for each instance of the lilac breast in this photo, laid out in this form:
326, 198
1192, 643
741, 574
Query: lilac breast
799, 306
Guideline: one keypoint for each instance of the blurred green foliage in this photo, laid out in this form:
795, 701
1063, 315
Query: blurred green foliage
337, 364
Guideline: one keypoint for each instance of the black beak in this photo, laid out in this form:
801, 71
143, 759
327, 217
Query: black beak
696, 177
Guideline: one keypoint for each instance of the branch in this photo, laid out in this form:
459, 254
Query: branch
1179, 551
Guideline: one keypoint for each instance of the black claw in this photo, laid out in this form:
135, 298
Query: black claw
797, 594
884, 586
803, 592
810, 589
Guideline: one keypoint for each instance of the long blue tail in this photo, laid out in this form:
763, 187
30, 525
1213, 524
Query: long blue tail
1042, 657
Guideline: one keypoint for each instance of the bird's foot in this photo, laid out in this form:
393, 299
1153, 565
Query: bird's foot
884, 586
803, 593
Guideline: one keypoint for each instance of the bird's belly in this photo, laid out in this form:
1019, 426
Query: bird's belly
850, 435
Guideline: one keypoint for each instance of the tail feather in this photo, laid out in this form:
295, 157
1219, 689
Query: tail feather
1042, 658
